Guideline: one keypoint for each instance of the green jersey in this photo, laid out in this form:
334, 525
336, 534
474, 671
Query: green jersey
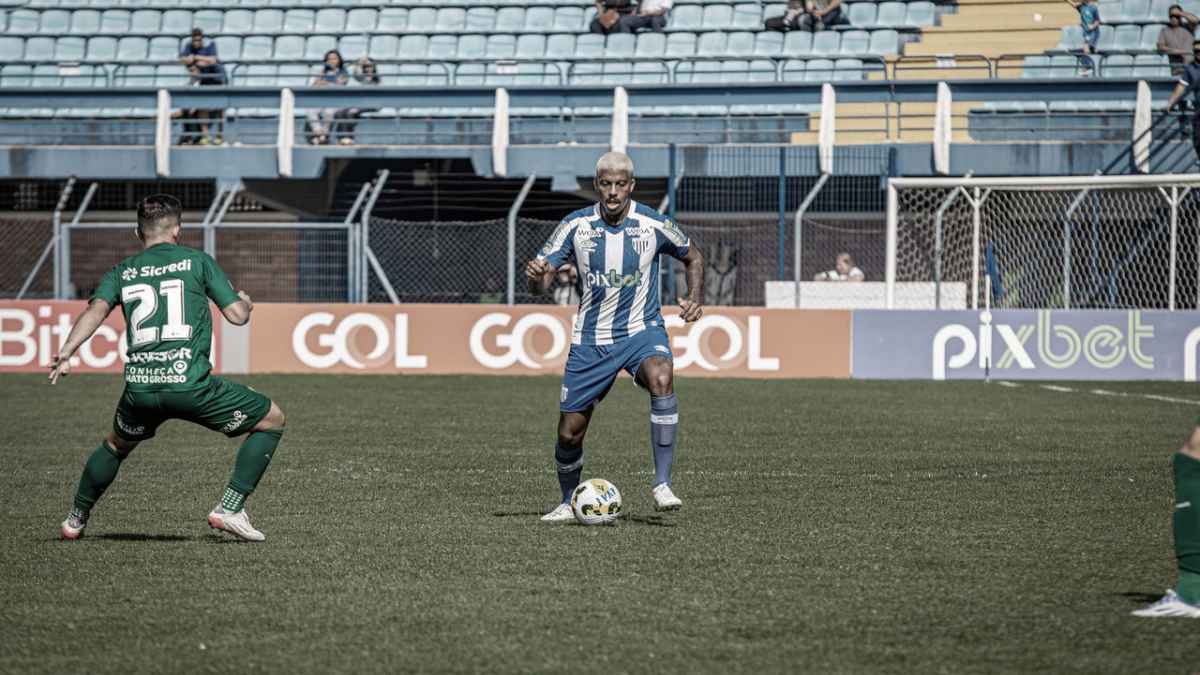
164, 293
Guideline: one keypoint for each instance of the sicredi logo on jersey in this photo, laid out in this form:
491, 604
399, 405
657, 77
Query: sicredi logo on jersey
614, 279
152, 271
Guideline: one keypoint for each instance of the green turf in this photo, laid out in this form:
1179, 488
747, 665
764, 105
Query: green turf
828, 527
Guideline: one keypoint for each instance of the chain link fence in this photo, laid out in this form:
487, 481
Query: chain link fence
25, 239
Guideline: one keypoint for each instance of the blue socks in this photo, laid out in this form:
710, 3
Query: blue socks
570, 469
664, 419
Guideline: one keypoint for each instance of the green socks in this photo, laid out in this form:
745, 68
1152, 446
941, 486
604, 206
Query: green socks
252, 460
1186, 524
98, 474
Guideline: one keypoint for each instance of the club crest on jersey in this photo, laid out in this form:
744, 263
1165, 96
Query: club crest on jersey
642, 246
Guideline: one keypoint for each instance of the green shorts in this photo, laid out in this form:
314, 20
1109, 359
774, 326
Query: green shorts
219, 404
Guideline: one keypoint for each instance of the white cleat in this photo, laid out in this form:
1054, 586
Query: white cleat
664, 499
561, 514
237, 524
72, 528
1169, 606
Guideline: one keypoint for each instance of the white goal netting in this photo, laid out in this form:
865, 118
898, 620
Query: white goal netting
1069, 242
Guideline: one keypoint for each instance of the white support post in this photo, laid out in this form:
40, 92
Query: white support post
354, 255
500, 134
61, 259
162, 135
1142, 114
976, 226
1174, 246
827, 133
798, 235
620, 121
365, 237
942, 130
512, 236
893, 217
286, 141
66, 238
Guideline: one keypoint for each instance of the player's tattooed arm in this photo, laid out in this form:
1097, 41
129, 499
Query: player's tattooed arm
691, 309
85, 325
538, 275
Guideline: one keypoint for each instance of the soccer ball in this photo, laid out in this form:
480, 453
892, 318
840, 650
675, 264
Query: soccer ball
596, 502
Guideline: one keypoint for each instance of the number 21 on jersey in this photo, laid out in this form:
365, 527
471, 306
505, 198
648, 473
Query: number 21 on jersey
146, 297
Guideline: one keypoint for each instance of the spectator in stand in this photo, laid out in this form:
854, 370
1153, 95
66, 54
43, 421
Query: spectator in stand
1089, 21
651, 15
810, 15
609, 15
566, 287
1175, 39
364, 73
1189, 83
789, 20
844, 269
204, 68
333, 74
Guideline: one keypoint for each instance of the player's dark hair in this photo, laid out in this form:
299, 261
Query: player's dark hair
1174, 7
157, 213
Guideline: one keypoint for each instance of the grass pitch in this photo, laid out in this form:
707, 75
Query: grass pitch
828, 527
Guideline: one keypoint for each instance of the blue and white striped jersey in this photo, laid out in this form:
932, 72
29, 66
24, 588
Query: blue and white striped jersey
618, 269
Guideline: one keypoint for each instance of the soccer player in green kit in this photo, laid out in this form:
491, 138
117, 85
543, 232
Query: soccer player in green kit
1183, 601
164, 293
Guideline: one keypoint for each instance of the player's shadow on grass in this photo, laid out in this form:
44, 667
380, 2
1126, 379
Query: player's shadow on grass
141, 536
653, 521
1141, 597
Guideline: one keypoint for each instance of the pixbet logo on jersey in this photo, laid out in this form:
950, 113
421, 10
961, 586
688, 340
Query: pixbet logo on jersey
343, 341
30, 336
614, 279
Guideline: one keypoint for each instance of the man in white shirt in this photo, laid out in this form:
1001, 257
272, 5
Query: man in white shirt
844, 270
651, 14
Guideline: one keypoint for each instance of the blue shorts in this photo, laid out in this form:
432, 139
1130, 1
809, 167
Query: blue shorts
592, 369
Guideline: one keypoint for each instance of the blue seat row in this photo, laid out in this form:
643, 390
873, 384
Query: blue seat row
544, 19
1142, 11
1147, 66
1122, 38
190, 4
559, 46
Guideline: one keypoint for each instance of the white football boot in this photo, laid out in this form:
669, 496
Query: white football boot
72, 528
561, 514
237, 524
1169, 606
664, 499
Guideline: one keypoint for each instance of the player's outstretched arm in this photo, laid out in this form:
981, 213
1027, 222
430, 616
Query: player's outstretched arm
85, 324
238, 313
691, 305
538, 275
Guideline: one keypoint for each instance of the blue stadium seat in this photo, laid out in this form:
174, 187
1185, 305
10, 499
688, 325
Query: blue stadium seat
164, 48
740, 43
266, 21
649, 72
86, 21
305, 21
891, 14
317, 45
384, 46
422, 19
256, 48
289, 48
762, 70
826, 43
560, 46
39, 49
1149, 41
568, 19
15, 75
1136, 11
885, 41
798, 43
177, 22
207, 20
861, 14
920, 14
500, 46
23, 21
413, 46
849, 69
1107, 39
468, 47
617, 72
69, 49
819, 70
451, 20
718, 17
687, 17
480, 20
735, 71
14, 46
259, 75
1063, 66
681, 45
443, 47
508, 20
1151, 66
1110, 10
1117, 65
132, 48
855, 42
1126, 38
358, 20
237, 21
650, 46
531, 46
1159, 9
620, 46
768, 43
101, 48
51, 22
711, 44
393, 20
793, 70
699, 72
1035, 67
539, 19
747, 16
1071, 39
229, 47
146, 21
589, 46
115, 21
587, 73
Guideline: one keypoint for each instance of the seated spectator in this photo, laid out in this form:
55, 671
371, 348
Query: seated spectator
609, 14
1175, 39
1089, 21
790, 19
821, 14
566, 288
843, 270
333, 74
204, 68
364, 73
651, 15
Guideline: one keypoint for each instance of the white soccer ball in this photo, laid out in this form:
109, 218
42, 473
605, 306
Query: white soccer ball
596, 502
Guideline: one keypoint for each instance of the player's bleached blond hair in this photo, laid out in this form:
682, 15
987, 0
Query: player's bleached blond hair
615, 161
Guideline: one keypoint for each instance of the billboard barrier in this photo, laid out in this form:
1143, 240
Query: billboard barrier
1026, 344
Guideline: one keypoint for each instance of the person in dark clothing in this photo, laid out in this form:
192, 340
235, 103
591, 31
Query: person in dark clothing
205, 69
1189, 83
365, 74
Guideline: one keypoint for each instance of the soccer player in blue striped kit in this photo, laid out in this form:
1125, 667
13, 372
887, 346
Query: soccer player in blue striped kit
616, 245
